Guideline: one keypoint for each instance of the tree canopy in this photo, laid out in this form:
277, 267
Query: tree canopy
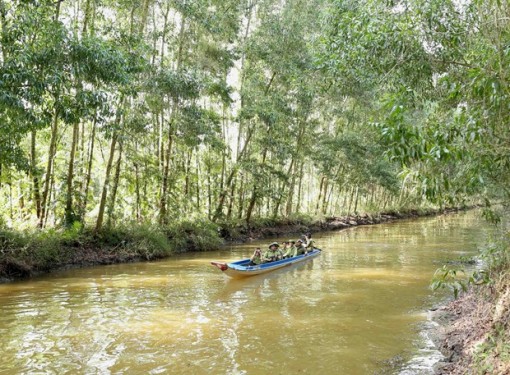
150, 111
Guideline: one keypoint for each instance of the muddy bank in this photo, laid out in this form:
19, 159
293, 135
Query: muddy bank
13, 268
473, 332
281, 228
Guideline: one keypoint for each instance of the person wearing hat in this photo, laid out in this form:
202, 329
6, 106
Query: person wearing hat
309, 243
300, 247
256, 258
272, 254
290, 249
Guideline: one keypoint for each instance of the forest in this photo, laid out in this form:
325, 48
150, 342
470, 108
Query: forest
157, 111
120, 113
162, 126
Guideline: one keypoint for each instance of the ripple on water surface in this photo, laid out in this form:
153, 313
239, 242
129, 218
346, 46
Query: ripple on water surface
358, 305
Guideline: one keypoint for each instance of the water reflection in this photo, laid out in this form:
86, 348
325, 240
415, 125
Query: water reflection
344, 312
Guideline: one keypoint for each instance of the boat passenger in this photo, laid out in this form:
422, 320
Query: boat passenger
300, 247
291, 249
286, 246
309, 243
256, 258
272, 254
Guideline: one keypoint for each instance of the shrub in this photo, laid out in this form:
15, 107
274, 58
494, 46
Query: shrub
449, 278
149, 242
197, 235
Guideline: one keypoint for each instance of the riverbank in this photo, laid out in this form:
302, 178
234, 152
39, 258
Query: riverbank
474, 330
30, 253
474, 335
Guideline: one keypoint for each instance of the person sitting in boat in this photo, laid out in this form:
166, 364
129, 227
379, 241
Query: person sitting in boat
290, 250
272, 254
285, 247
256, 258
300, 247
309, 243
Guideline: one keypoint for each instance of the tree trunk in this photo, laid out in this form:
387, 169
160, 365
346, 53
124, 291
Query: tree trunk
69, 213
102, 203
49, 168
209, 191
161, 143
292, 187
231, 199
241, 199
11, 208
345, 201
35, 175
21, 201
198, 182
165, 29
51, 193
163, 219
300, 187
145, 13
85, 192
166, 173
57, 9
187, 175
325, 197
295, 156
116, 179
320, 195
137, 187
255, 193
350, 201
356, 200
233, 172
87, 15
251, 205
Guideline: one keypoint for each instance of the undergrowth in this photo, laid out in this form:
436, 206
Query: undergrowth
25, 252
491, 279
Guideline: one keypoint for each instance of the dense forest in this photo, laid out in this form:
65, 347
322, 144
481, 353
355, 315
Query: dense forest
153, 111
131, 129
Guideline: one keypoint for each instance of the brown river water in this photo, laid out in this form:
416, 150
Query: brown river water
361, 303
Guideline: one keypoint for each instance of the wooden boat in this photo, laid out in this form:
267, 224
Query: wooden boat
242, 269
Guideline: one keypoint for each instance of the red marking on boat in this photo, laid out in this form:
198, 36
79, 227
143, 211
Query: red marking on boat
220, 265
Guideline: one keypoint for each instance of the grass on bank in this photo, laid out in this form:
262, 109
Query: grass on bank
25, 252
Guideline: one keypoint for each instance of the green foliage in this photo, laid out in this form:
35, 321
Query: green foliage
148, 242
196, 235
244, 111
452, 279
47, 249
371, 43
491, 215
356, 159
442, 102
38, 250
495, 256
496, 345
495, 260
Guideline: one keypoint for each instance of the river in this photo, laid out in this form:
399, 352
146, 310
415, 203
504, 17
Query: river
354, 310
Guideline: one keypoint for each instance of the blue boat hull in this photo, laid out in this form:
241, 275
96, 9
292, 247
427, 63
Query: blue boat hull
242, 269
